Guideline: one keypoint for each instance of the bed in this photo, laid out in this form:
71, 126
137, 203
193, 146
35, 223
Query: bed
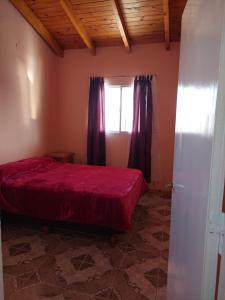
43, 188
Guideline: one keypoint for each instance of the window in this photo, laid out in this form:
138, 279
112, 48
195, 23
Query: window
118, 108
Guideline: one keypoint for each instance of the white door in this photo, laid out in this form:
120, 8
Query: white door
199, 158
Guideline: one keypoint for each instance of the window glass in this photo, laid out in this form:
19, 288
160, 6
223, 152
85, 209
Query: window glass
127, 109
118, 108
112, 108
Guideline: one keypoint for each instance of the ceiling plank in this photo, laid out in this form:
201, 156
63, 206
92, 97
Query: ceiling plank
166, 17
67, 6
121, 23
27, 13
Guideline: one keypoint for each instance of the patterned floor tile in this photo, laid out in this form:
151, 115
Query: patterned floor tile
93, 263
138, 276
91, 287
53, 244
18, 249
60, 297
165, 254
36, 292
75, 296
126, 247
68, 263
139, 256
25, 294
157, 277
18, 269
128, 289
22, 249
45, 291
27, 279
107, 294
164, 212
161, 293
161, 236
157, 236
9, 285
48, 272
82, 262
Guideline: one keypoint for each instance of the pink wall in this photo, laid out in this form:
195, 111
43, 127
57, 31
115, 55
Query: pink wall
74, 71
34, 121
28, 96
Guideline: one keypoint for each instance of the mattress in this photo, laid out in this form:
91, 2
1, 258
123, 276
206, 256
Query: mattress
43, 188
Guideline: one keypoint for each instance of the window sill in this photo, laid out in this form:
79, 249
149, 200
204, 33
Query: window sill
117, 132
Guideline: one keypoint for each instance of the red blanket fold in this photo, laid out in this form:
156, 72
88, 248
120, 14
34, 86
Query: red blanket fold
42, 188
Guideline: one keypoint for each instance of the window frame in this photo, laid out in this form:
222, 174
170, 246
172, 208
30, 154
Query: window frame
121, 86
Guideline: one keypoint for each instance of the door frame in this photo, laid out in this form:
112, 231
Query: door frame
221, 286
216, 185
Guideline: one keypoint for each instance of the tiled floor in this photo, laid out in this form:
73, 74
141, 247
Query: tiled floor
70, 264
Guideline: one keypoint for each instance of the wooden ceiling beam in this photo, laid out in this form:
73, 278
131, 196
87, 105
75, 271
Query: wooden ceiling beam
31, 18
166, 17
121, 23
67, 7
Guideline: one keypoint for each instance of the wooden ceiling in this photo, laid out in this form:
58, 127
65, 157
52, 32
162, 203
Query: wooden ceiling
66, 24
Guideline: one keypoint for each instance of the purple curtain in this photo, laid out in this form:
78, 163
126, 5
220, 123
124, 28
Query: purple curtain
96, 123
141, 136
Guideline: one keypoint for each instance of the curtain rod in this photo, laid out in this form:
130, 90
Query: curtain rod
125, 76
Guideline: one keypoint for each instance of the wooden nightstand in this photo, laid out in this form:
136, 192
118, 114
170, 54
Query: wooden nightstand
64, 157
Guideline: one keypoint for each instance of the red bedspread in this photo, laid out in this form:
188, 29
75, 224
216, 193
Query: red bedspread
42, 188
